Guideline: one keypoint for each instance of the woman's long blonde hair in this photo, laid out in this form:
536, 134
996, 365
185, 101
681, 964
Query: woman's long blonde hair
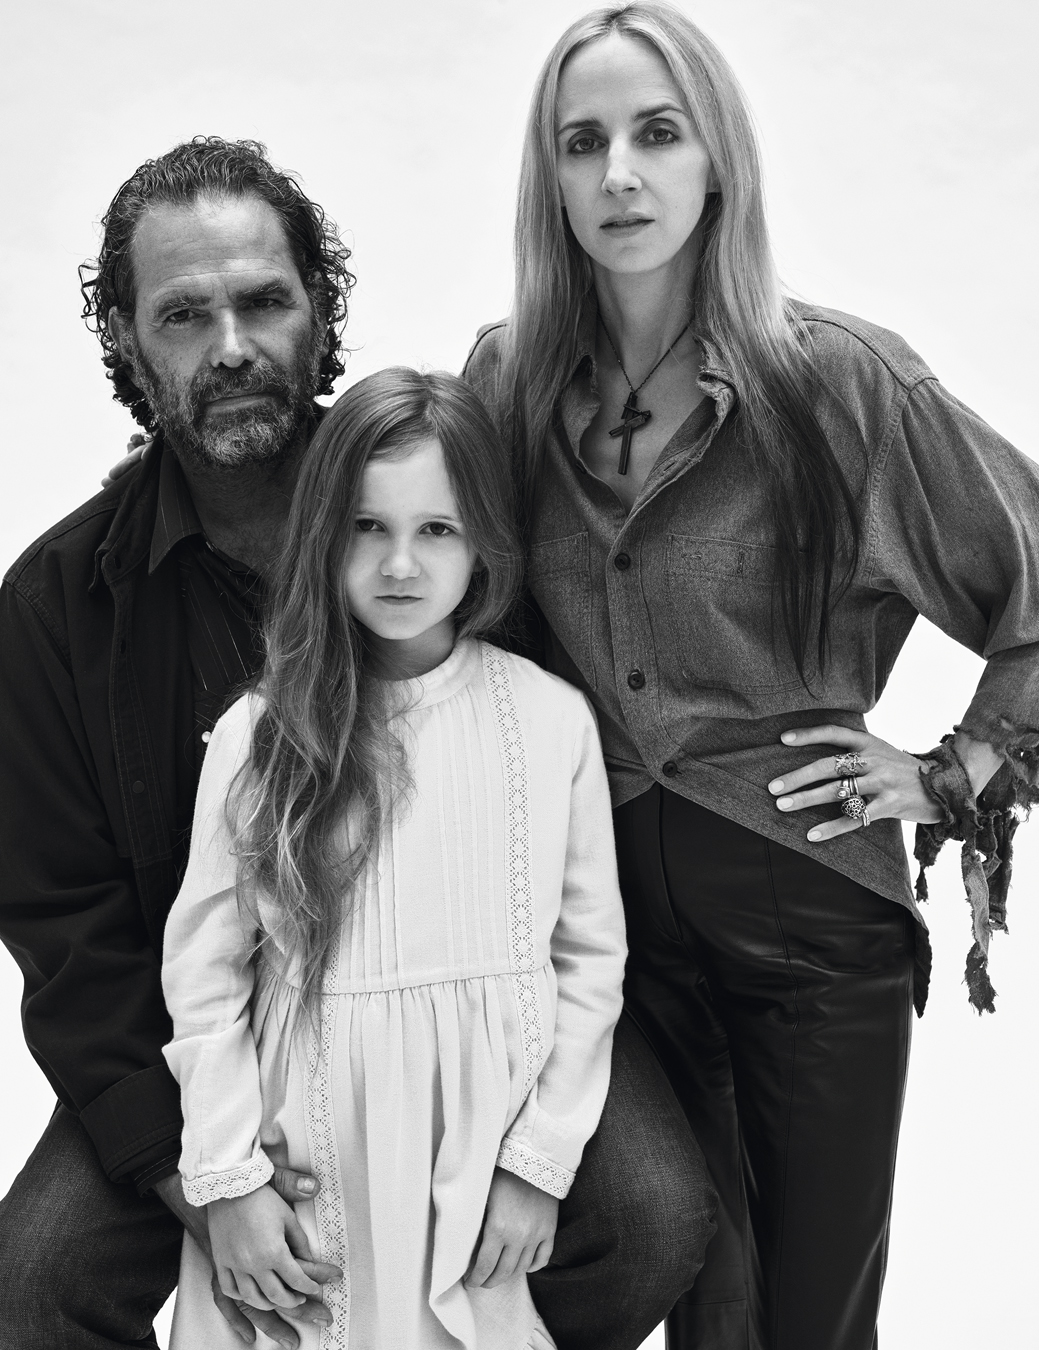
321, 753
737, 302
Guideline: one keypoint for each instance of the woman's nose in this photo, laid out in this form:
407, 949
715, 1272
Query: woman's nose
620, 171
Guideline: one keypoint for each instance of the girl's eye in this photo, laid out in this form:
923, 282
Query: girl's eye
366, 526
438, 529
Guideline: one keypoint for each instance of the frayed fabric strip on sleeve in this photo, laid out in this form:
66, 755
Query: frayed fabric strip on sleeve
986, 827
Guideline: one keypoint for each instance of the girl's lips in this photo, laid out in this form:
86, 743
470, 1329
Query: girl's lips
400, 599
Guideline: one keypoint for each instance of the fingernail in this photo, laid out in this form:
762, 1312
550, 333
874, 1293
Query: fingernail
814, 836
307, 1185
785, 803
789, 736
776, 786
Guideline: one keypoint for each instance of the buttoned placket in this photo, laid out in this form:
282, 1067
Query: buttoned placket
635, 674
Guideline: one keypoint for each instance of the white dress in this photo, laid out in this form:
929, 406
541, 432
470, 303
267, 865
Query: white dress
467, 1019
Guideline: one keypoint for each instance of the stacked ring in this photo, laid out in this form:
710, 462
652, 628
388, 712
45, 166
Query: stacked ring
855, 808
849, 787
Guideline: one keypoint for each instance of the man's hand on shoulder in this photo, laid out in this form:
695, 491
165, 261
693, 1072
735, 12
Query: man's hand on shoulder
136, 448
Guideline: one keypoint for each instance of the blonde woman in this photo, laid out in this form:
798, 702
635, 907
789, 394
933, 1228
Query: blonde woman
736, 507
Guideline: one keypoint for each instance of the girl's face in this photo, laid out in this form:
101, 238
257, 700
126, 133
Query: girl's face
632, 168
409, 561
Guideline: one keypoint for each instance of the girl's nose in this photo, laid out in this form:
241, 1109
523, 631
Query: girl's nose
400, 562
620, 172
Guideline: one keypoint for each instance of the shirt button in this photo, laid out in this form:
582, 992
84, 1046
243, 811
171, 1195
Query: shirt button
138, 786
622, 562
669, 768
207, 736
636, 679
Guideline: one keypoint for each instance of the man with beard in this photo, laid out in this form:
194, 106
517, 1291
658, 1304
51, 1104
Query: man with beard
218, 295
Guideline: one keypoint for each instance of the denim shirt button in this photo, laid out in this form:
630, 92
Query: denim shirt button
622, 562
669, 768
138, 786
636, 679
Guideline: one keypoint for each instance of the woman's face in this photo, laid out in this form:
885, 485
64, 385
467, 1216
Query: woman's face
632, 168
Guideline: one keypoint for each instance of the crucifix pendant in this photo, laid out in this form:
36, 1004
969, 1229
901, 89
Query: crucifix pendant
634, 417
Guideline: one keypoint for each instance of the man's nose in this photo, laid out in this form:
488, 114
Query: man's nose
231, 345
620, 173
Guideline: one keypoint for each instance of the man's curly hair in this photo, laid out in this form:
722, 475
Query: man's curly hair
209, 165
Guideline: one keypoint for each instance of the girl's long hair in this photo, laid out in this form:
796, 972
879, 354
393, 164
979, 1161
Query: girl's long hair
737, 303
324, 771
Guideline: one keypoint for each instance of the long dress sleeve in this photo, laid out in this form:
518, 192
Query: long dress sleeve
546, 1140
207, 978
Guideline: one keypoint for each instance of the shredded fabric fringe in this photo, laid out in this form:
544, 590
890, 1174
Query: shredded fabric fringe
986, 825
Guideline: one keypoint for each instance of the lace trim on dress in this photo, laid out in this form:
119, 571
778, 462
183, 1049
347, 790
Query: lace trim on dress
545, 1175
329, 1206
519, 886
229, 1185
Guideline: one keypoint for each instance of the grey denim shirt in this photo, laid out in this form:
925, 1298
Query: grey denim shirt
664, 614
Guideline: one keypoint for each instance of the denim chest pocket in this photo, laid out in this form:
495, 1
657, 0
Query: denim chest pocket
722, 619
560, 583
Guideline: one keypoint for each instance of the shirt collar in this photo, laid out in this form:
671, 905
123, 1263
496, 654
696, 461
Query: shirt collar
175, 516
715, 379
713, 368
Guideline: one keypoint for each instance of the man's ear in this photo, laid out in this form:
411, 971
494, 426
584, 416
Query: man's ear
118, 325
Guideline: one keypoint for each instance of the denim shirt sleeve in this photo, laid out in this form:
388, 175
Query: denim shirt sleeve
954, 528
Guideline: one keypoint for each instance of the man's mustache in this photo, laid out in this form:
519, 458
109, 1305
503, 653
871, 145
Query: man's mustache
257, 379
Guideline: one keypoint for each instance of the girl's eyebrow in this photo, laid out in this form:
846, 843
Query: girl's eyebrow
643, 115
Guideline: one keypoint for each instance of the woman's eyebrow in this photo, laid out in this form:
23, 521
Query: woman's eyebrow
643, 115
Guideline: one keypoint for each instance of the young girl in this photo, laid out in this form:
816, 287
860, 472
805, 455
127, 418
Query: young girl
396, 958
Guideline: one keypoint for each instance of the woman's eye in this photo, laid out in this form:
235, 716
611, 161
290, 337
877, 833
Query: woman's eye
660, 136
583, 145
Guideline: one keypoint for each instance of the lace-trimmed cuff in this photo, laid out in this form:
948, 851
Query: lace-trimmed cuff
228, 1185
530, 1166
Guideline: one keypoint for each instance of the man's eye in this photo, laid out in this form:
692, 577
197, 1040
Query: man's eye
179, 317
265, 302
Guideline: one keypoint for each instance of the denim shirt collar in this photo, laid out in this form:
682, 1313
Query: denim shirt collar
581, 399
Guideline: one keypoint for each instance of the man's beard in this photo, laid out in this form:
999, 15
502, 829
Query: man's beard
261, 433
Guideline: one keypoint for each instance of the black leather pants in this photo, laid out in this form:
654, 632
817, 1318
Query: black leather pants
777, 994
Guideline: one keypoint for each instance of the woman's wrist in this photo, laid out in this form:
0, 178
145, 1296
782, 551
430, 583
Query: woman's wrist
979, 759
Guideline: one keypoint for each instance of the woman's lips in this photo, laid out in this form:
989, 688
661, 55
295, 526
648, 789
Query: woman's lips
631, 226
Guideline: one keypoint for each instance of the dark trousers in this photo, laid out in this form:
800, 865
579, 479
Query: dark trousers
86, 1264
778, 996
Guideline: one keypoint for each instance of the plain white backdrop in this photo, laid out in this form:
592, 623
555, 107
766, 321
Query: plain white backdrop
903, 175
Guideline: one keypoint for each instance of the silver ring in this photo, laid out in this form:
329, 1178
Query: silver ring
848, 763
849, 787
855, 808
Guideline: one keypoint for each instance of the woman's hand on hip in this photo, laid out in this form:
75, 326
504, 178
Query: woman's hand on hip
887, 780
